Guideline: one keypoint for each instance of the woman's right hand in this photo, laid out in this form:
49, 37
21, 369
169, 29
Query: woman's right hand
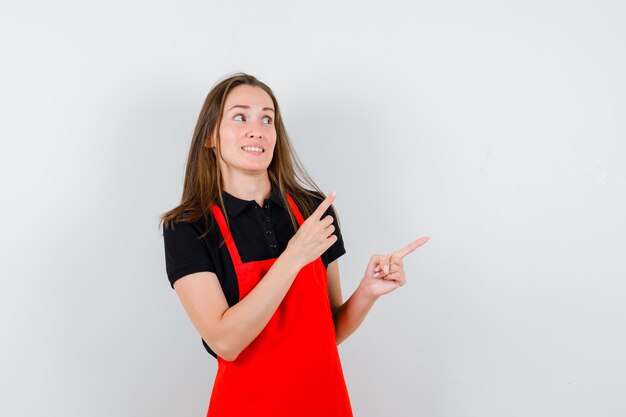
314, 236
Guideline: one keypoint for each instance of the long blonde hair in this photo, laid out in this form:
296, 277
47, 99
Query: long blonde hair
203, 184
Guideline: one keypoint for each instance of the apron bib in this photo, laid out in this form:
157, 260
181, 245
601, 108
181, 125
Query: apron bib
292, 368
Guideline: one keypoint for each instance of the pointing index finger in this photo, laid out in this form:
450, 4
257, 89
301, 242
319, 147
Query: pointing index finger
412, 246
321, 209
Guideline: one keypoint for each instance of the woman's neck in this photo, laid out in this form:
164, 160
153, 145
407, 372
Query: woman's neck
246, 187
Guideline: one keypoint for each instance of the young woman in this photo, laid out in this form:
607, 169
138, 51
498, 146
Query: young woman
252, 252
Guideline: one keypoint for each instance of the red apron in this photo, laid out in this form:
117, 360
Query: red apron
292, 368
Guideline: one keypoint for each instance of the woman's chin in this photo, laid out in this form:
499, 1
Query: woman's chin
249, 169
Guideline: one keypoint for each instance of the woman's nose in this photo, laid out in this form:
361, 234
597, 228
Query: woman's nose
254, 131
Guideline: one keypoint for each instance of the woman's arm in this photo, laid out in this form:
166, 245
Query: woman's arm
347, 316
228, 331
383, 274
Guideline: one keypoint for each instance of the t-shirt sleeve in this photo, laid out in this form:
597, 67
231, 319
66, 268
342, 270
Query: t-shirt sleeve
184, 253
337, 249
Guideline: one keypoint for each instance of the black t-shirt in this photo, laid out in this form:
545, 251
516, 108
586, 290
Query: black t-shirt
259, 232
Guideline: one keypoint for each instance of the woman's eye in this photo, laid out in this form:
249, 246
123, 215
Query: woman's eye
241, 115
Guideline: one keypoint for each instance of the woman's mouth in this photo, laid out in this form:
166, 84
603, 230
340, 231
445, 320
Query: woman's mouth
253, 150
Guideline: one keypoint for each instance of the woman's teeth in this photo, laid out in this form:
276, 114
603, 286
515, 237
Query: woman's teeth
252, 148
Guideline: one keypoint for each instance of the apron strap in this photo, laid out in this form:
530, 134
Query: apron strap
295, 210
228, 238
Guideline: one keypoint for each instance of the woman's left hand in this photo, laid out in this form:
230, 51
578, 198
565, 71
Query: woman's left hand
385, 273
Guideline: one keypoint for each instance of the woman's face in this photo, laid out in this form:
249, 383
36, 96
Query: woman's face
247, 132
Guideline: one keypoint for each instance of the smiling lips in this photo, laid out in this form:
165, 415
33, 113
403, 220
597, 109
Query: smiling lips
253, 149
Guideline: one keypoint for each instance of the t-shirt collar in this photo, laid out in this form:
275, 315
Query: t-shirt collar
234, 205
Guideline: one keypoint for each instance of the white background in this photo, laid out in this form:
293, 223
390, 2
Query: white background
496, 128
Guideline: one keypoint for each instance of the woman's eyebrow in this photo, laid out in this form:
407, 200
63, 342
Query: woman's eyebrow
247, 107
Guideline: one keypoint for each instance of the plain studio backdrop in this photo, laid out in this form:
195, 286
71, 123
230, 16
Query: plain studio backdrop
495, 128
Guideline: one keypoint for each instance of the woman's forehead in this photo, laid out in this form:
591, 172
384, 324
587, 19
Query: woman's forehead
248, 96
